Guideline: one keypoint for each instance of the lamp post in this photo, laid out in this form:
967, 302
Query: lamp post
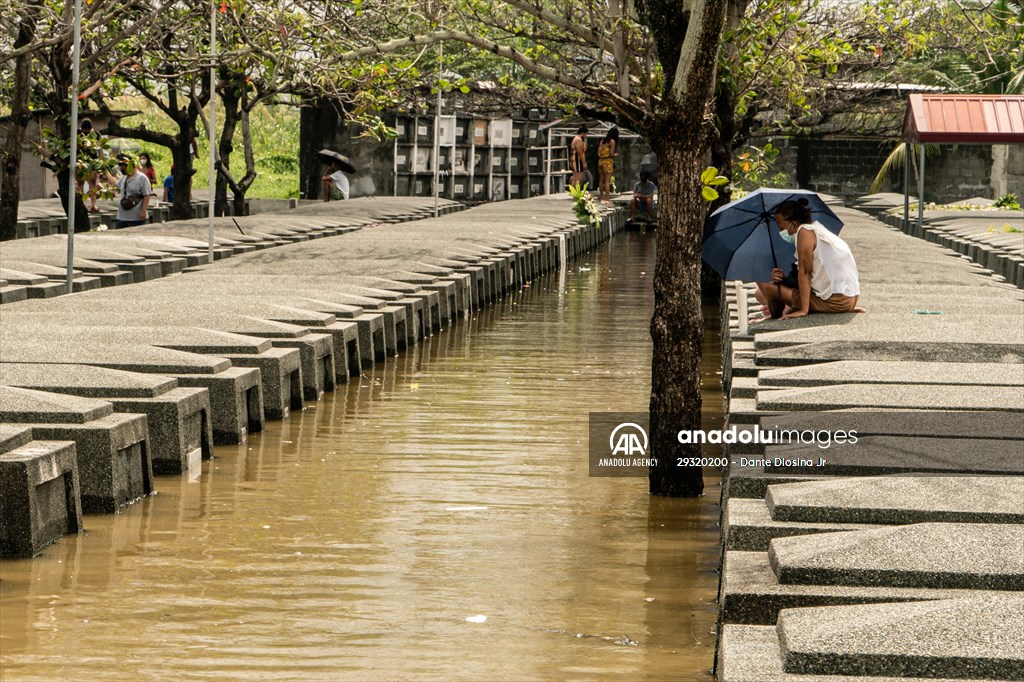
213, 125
437, 128
76, 61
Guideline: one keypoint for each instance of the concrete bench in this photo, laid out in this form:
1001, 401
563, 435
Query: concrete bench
179, 419
39, 492
114, 465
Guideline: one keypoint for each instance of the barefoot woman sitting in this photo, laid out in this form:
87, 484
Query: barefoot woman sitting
826, 280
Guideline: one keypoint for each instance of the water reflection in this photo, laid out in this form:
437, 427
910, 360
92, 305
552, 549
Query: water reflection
354, 540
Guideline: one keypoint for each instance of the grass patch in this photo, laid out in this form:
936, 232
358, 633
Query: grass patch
275, 141
1007, 228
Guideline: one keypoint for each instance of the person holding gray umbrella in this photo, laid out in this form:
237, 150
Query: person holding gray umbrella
826, 281
749, 238
335, 182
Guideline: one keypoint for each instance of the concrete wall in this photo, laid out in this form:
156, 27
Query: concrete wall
846, 168
35, 181
1008, 170
320, 128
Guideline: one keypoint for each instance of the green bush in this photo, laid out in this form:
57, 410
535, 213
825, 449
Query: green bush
279, 163
1008, 201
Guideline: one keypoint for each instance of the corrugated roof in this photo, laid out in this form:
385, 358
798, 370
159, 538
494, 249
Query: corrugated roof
979, 119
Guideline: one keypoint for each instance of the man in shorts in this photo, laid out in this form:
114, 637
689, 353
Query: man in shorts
578, 156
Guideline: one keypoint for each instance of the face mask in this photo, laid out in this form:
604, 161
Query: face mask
143, 162
787, 237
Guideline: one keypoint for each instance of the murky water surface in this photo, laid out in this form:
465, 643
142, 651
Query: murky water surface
432, 521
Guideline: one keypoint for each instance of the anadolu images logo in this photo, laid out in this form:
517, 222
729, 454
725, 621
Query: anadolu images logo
629, 440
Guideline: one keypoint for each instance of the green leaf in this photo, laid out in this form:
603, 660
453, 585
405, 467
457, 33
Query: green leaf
708, 193
708, 175
719, 181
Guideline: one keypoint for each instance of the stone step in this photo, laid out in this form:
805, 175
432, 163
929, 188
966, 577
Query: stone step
899, 500
178, 419
864, 372
12, 437
748, 526
893, 396
113, 457
978, 638
996, 330
751, 482
751, 653
989, 424
976, 556
889, 351
40, 500
750, 593
882, 455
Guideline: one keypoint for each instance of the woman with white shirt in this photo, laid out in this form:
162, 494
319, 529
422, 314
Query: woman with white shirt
826, 280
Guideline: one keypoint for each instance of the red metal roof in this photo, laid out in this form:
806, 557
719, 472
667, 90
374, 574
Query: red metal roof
979, 119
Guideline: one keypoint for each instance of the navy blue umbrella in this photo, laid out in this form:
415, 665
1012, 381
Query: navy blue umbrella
741, 239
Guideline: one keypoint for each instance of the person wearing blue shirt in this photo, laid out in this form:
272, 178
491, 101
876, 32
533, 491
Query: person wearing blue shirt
169, 187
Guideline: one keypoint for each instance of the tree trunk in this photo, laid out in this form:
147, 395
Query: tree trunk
682, 134
181, 153
677, 326
229, 99
10, 187
66, 191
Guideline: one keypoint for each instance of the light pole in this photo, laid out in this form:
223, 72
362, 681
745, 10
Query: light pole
213, 124
76, 61
437, 128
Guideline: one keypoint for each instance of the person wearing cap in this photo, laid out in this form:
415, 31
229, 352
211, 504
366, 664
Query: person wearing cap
133, 194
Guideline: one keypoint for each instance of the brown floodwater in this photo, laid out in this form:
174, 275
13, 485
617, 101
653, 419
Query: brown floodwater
433, 520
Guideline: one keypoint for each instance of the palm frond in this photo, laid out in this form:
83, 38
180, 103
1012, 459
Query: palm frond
895, 161
897, 157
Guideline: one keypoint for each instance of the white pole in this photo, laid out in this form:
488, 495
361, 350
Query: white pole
563, 263
73, 170
741, 308
437, 129
920, 196
213, 124
547, 166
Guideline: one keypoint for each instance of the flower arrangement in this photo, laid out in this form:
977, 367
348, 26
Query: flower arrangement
584, 205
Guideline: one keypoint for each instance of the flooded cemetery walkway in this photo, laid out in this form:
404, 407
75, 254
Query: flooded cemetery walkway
432, 520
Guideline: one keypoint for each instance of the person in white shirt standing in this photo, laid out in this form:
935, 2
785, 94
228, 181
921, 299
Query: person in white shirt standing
335, 183
133, 194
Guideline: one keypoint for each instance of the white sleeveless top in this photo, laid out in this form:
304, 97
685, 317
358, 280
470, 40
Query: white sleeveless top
834, 271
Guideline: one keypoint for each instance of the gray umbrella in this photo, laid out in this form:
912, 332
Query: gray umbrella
329, 156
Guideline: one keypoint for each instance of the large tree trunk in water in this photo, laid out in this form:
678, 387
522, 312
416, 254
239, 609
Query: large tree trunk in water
682, 134
677, 327
10, 189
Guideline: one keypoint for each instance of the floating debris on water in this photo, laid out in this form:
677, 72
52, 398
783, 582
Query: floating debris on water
623, 640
